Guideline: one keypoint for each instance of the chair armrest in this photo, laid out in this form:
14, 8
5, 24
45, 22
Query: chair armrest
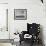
24, 32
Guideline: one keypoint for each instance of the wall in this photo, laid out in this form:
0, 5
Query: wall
35, 13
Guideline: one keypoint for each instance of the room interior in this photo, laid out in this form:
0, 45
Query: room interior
16, 15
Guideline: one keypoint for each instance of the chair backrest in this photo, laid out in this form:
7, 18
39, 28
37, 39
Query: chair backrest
33, 28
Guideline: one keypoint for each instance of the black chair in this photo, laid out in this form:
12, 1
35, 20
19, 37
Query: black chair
32, 29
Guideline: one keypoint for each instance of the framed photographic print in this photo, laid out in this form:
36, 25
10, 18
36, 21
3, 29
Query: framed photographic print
20, 14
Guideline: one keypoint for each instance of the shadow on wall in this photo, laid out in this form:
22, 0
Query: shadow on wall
41, 34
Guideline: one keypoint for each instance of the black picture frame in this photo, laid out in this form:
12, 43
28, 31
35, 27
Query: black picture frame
20, 14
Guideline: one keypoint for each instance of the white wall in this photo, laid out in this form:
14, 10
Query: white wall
35, 14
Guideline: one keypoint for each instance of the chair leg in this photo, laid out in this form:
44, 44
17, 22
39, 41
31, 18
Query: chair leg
20, 42
32, 42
